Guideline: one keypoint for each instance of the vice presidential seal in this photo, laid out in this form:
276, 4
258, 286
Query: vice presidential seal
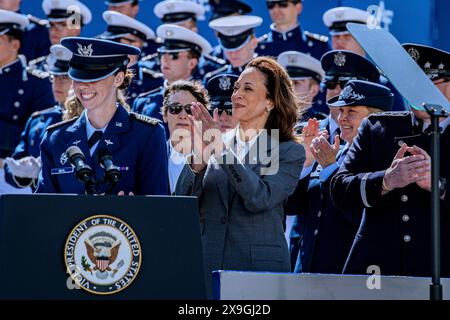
103, 255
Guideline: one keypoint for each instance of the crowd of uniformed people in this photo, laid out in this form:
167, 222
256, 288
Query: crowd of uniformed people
352, 180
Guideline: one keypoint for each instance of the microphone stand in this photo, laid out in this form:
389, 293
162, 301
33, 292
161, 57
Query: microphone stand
435, 112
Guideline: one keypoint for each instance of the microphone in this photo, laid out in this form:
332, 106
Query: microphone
112, 173
77, 159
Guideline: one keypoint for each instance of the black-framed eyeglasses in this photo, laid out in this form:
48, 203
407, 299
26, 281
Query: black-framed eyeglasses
176, 108
282, 4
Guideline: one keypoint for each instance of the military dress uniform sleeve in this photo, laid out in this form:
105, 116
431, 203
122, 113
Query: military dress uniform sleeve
353, 186
46, 183
261, 192
19, 153
42, 95
153, 174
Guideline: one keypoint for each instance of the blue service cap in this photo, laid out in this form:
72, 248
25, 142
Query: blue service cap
220, 89
224, 8
336, 19
176, 11
121, 25
95, 59
341, 63
61, 10
57, 62
364, 93
434, 62
12, 23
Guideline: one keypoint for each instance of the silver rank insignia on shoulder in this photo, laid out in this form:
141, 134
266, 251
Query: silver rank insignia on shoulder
339, 59
108, 142
63, 159
119, 124
414, 53
75, 143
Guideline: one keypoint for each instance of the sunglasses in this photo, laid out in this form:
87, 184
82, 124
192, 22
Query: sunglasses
228, 112
282, 4
176, 108
332, 84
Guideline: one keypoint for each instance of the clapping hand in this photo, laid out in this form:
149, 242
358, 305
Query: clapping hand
325, 153
27, 167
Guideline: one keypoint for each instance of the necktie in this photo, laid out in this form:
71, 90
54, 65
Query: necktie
95, 137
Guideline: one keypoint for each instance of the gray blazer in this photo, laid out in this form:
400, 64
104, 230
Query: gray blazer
241, 210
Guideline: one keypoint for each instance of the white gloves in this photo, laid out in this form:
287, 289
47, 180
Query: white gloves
27, 167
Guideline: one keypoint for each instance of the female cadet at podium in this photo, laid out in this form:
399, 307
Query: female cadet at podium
243, 185
136, 143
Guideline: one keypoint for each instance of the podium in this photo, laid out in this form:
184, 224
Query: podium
129, 247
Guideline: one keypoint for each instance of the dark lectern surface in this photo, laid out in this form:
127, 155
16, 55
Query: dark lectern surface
34, 230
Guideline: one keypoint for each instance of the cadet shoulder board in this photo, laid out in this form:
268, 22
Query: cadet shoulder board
152, 73
36, 20
316, 36
142, 118
148, 93
38, 73
61, 123
39, 112
217, 71
262, 38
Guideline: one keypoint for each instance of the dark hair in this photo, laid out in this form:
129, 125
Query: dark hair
281, 92
193, 87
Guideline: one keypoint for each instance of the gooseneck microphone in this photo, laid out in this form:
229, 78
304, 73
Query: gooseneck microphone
77, 159
112, 173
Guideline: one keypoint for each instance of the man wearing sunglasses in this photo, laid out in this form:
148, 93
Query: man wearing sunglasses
62, 23
179, 55
306, 74
220, 89
127, 30
22, 168
340, 67
286, 33
336, 20
237, 38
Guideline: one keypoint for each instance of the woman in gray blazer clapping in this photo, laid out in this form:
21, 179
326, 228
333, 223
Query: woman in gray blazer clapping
243, 178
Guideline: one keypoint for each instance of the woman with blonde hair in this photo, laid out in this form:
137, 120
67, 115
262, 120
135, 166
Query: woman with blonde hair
242, 187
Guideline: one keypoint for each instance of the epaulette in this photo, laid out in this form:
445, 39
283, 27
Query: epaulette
36, 20
61, 123
215, 59
39, 112
316, 36
147, 93
390, 114
262, 38
142, 118
38, 73
152, 73
149, 57
34, 62
215, 72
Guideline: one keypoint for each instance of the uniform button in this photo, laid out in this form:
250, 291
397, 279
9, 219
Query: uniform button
407, 238
133, 95
224, 220
404, 198
290, 34
139, 82
20, 91
319, 102
32, 143
316, 232
7, 69
17, 104
400, 142
310, 43
405, 218
319, 214
15, 117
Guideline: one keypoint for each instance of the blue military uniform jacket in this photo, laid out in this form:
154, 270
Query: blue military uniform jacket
144, 80
274, 43
136, 143
22, 93
323, 232
36, 40
31, 138
395, 229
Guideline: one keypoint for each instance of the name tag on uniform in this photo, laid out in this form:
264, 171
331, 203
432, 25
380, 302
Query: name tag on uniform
64, 170
316, 173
